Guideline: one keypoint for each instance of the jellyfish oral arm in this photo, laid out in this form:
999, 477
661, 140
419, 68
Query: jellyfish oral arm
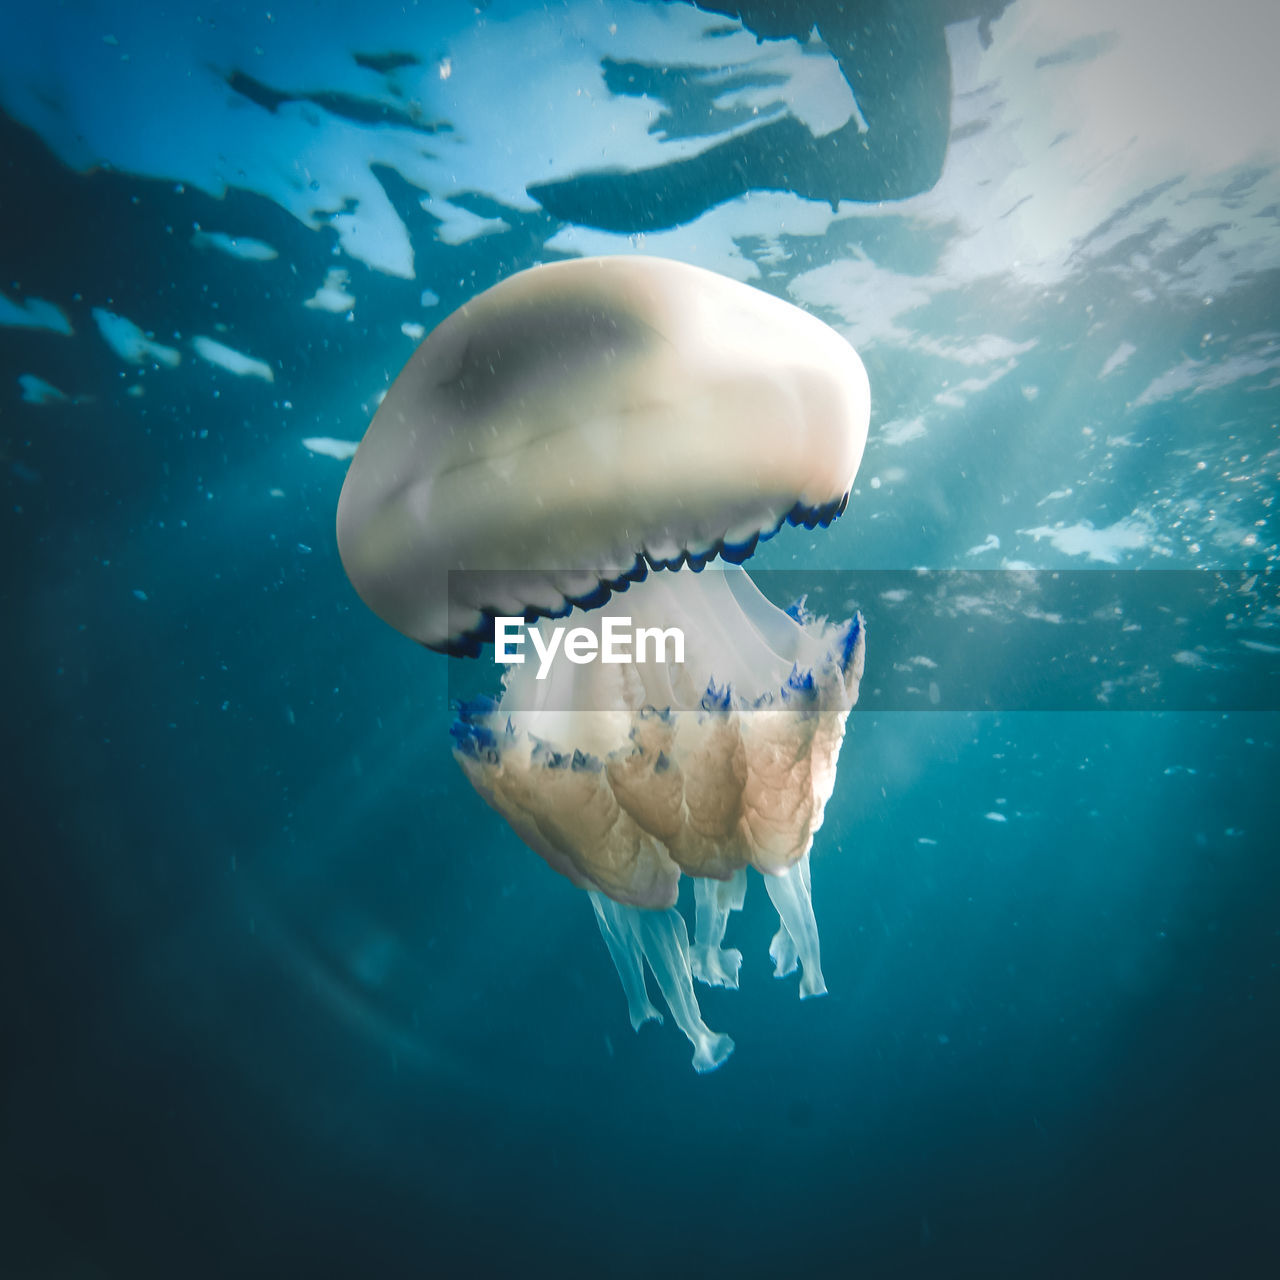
638, 774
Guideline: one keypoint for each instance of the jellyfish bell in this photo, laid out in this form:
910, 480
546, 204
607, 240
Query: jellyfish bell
605, 441
591, 418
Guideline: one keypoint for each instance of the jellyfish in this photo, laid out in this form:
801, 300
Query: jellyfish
593, 448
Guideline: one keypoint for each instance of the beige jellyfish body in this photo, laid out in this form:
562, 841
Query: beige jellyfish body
600, 444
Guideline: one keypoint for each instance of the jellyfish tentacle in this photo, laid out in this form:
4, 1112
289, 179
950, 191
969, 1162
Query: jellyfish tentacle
797, 940
660, 936
665, 942
782, 951
712, 963
627, 959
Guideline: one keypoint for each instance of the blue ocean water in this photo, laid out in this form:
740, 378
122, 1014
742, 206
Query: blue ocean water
282, 996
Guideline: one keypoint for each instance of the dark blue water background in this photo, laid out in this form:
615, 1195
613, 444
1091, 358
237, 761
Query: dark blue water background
283, 998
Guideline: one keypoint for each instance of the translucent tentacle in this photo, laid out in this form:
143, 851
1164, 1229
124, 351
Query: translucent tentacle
660, 937
797, 940
625, 950
782, 951
715, 899
665, 944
